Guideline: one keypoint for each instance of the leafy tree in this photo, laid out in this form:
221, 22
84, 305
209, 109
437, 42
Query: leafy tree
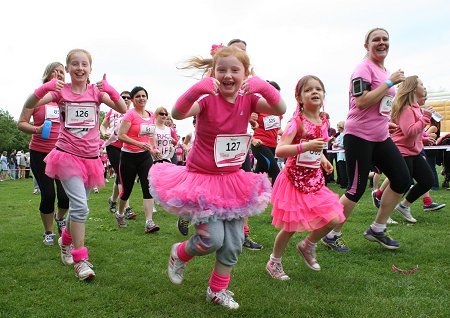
11, 136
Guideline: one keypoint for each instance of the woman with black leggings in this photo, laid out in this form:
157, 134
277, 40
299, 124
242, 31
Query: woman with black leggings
367, 141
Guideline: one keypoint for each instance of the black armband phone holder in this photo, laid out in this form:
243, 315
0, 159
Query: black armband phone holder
359, 86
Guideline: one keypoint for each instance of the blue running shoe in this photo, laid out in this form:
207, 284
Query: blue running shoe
382, 238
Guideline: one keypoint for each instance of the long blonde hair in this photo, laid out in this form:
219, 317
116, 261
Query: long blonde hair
405, 96
48, 73
207, 64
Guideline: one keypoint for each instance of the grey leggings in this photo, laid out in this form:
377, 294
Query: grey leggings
220, 236
78, 195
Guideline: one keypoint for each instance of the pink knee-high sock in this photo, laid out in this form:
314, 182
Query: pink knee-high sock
218, 282
80, 253
246, 229
427, 200
182, 254
66, 238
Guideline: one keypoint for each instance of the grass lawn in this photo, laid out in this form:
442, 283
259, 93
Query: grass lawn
131, 274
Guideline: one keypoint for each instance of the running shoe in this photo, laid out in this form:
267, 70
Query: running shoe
183, 225
151, 227
129, 214
176, 268
382, 238
336, 243
376, 202
112, 206
405, 211
433, 207
60, 223
223, 297
66, 252
120, 220
275, 269
251, 245
48, 239
308, 251
83, 270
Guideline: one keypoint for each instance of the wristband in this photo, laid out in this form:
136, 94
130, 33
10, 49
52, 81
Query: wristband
299, 148
389, 83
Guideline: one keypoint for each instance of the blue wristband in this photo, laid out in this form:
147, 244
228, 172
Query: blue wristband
389, 83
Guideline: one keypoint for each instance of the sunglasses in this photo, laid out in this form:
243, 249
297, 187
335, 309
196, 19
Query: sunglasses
163, 114
126, 97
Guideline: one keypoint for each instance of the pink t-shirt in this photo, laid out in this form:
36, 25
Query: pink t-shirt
141, 129
114, 122
408, 136
218, 116
79, 134
40, 114
370, 124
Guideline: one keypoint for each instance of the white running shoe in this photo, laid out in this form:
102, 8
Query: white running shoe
223, 297
66, 253
83, 270
176, 268
405, 211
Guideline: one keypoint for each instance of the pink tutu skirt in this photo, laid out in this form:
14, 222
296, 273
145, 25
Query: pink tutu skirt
63, 166
295, 211
202, 196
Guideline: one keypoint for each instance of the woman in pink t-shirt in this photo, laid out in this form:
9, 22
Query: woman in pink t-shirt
110, 129
211, 190
412, 119
367, 140
136, 131
74, 160
39, 149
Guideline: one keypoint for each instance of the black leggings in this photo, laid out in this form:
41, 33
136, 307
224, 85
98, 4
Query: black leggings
132, 164
385, 156
47, 185
266, 161
114, 159
419, 170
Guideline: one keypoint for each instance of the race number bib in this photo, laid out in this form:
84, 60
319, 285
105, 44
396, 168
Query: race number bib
146, 130
271, 122
386, 106
80, 115
309, 159
52, 113
231, 150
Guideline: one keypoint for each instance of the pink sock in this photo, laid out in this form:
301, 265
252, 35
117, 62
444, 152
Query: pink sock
182, 254
427, 200
246, 229
66, 238
379, 194
218, 282
80, 253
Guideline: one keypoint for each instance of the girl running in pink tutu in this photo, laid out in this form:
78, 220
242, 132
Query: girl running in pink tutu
300, 199
74, 160
211, 190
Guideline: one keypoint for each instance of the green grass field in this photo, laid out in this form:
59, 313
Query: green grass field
131, 279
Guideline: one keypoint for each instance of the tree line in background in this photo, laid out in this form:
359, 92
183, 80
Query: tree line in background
11, 137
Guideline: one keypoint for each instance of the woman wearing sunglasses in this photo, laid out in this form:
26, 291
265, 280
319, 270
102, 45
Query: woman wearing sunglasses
137, 133
163, 137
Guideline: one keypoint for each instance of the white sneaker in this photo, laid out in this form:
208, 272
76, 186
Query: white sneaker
49, 239
224, 298
391, 221
83, 270
176, 268
405, 211
66, 253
